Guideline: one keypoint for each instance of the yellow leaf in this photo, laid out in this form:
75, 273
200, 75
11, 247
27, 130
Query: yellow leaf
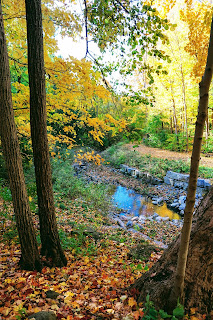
86, 260
132, 302
68, 297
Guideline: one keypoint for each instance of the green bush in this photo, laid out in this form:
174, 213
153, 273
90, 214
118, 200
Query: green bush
151, 313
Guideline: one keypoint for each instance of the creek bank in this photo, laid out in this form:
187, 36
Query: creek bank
174, 180
158, 230
159, 191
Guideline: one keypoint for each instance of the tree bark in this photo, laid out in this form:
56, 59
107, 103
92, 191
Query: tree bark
174, 112
204, 86
30, 259
179, 290
51, 247
158, 282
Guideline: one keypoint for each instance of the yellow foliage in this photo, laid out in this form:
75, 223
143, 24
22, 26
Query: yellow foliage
88, 157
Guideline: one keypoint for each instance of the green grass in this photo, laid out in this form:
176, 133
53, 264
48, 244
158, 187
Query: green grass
69, 186
120, 154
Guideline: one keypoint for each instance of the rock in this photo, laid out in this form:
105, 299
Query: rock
150, 218
51, 294
196, 203
137, 173
165, 218
174, 205
120, 223
182, 199
141, 251
182, 206
133, 172
160, 201
135, 219
123, 217
155, 203
129, 224
168, 181
155, 215
141, 219
176, 222
43, 315
177, 176
124, 168
182, 212
200, 183
207, 184
181, 185
156, 181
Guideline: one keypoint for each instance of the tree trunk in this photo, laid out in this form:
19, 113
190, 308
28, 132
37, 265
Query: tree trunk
204, 86
158, 282
51, 247
30, 259
202, 262
174, 113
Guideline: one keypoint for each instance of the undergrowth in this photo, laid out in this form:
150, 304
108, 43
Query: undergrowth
120, 154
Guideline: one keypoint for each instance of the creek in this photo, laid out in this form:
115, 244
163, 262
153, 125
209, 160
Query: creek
136, 204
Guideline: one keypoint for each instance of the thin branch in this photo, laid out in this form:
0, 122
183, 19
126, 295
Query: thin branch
100, 68
18, 61
86, 27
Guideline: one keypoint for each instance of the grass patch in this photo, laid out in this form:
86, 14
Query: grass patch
120, 154
69, 186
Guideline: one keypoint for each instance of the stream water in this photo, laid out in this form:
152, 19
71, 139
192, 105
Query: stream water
136, 204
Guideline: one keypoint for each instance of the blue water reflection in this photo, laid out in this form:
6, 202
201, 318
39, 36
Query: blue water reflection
136, 204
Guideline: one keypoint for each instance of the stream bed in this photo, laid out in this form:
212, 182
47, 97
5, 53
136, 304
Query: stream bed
137, 204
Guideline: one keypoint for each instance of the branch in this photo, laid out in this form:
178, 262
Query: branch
86, 27
18, 61
100, 68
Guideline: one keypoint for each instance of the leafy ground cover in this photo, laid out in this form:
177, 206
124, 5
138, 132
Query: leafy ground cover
90, 287
100, 267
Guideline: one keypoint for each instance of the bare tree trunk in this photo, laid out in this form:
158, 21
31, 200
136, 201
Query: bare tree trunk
51, 247
30, 259
174, 112
195, 159
184, 107
160, 282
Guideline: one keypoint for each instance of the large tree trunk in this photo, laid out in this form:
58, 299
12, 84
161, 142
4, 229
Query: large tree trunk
30, 258
158, 282
51, 247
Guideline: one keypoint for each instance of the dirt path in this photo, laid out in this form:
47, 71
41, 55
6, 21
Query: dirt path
171, 155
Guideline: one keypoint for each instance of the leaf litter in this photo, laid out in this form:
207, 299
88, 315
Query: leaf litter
94, 283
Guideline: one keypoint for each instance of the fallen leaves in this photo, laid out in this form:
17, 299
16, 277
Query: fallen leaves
93, 284
89, 287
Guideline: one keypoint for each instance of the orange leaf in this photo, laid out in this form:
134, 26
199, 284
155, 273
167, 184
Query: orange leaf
136, 315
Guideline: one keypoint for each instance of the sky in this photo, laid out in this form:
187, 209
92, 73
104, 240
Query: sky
70, 48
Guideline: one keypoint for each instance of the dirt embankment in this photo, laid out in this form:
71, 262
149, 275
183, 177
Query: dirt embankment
171, 155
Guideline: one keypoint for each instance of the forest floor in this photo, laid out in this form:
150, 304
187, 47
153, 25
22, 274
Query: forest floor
101, 264
205, 161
